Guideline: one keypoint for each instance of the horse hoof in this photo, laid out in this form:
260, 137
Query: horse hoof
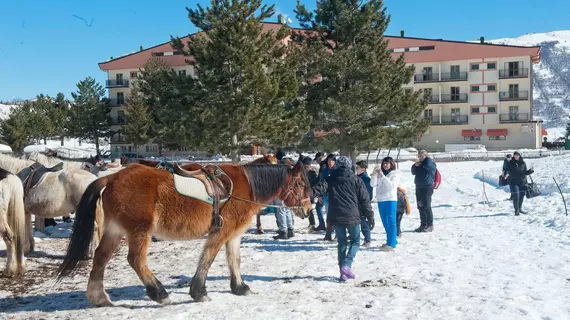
164, 301
260, 231
8, 274
202, 299
103, 303
242, 290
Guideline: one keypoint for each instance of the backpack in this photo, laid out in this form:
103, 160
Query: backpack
406, 203
437, 179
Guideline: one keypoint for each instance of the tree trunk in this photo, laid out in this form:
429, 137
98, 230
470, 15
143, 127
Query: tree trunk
160, 149
45, 141
97, 144
234, 154
62, 140
398, 157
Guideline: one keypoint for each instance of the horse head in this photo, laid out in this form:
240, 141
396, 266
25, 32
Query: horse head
269, 158
297, 190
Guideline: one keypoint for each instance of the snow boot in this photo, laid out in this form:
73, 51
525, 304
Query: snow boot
281, 236
345, 270
366, 244
428, 229
290, 233
420, 229
320, 228
386, 248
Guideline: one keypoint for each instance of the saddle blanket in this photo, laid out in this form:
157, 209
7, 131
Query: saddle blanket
192, 188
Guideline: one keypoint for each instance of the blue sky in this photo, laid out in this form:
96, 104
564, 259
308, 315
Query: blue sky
47, 46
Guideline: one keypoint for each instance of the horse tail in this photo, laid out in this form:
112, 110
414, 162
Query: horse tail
83, 227
17, 216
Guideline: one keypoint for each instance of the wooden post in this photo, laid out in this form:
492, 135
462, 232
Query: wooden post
485, 192
40, 223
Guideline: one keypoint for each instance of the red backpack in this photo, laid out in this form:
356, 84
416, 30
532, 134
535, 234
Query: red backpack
437, 179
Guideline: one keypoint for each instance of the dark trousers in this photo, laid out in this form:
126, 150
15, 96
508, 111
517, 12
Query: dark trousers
320, 215
517, 194
399, 216
365, 228
423, 198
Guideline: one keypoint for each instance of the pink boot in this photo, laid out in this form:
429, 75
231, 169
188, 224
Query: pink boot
345, 270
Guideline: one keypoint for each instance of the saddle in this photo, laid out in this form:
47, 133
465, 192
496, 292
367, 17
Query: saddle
33, 174
89, 167
209, 184
164, 165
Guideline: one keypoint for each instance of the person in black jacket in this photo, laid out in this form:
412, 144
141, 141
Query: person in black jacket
516, 174
348, 197
424, 171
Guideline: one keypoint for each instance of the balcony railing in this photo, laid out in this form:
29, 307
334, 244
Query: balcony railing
514, 117
117, 102
445, 77
513, 95
513, 73
119, 121
117, 83
449, 98
449, 120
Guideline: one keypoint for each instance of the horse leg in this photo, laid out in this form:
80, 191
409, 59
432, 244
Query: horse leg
211, 248
95, 289
29, 244
40, 223
138, 247
234, 261
8, 235
259, 228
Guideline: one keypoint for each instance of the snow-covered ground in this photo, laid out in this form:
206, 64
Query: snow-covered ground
481, 262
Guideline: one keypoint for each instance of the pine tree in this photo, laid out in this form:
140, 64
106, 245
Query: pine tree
59, 117
138, 125
15, 129
40, 124
247, 85
158, 85
352, 83
89, 114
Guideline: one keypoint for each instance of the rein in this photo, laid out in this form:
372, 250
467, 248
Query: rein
268, 205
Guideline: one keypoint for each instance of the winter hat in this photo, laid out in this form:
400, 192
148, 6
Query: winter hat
319, 154
307, 161
343, 162
516, 152
509, 156
280, 154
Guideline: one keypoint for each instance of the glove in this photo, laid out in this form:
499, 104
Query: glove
371, 222
531, 171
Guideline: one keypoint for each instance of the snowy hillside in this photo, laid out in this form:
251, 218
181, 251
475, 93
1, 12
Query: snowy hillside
5, 110
481, 262
551, 80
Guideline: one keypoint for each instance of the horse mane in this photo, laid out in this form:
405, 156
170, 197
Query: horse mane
14, 165
266, 180
50, 161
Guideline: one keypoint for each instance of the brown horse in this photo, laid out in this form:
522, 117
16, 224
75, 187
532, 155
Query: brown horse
139, 201
267, 158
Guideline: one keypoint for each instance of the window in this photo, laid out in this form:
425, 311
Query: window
497, 138
514, 113
475, 110
491, 87
492, 110
133, 74
491, 65
147, 149
428, 92
455, 74
428, 113
428, 73
455, 94
121, 117
120, 98
471, 138
475, 88
513, 90
130, 149
475, 67
427, 48
182, 73
513, 68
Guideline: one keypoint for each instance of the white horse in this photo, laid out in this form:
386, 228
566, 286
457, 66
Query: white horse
49, 161
56, 194
12, 222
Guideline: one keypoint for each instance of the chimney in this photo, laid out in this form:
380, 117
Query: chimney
482, 39
141, 48
280, 19
402, 33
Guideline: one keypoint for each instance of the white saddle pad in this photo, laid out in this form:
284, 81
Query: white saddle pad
192, 188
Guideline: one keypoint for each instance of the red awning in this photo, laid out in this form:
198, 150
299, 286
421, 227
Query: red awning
471, 133
497, 132
544, 132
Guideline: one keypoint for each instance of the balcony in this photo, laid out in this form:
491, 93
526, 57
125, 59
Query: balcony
448, 98
118, 121
513, 95
513, 73
117, 102
513, 117
445, 77
117, 83
449, 120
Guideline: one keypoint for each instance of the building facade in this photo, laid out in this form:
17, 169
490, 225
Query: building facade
478, 93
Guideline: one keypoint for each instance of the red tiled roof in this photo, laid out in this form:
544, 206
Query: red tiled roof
444, 50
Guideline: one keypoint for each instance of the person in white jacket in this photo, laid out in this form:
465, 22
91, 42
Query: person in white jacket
385, 179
